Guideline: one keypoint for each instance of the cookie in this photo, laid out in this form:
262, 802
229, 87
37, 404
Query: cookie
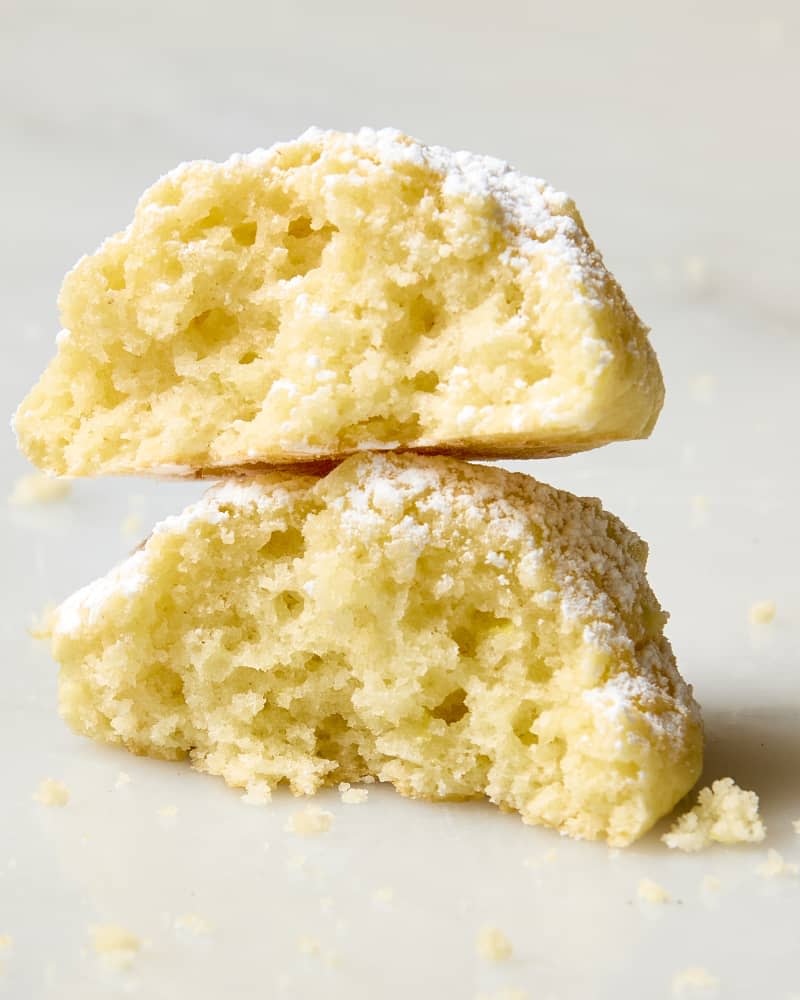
340, 293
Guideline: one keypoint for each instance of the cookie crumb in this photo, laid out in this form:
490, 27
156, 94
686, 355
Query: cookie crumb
493, 945
652, 892
775, 865
796, 825
354, 796
310, 821
116, 944
38, 488
6, 941
692, 979
724, 814
710, 883
193, 923
168, 812
383, 895
761, 613
52, 793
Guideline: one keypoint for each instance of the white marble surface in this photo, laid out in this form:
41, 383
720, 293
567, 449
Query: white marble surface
675, 126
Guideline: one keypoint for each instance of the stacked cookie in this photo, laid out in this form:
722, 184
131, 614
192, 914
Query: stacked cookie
330, 326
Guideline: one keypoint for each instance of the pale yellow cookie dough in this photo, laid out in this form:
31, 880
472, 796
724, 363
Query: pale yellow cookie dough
338, 293
456, 630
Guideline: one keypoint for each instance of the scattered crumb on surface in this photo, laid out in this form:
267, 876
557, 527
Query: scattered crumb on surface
257, 795
796, 825
114, 943
52, 793
710, 883
702, 388
38, 488
776, 865
193, 923
308, 946
368, 779
493, 945
652, 892
691, 980
296, 861
310, 821
168, 811
761, 613
131, 525
724, 814
6, 942
122, 779
354, 796
385, 894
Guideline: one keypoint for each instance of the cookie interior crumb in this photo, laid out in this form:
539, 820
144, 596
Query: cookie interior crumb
52, 793
724, 814
652, 892
493, 945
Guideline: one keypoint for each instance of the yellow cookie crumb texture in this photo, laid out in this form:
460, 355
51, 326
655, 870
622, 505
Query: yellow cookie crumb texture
493, 945
6, 942
455, 630
36, 488
52, 793
724, 814
338, 293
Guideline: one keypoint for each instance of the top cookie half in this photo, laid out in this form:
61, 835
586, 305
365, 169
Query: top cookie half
338, 293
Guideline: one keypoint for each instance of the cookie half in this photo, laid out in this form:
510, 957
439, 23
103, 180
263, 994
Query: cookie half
458, 631
339, 293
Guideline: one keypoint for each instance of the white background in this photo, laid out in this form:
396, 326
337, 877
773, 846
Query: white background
675, 127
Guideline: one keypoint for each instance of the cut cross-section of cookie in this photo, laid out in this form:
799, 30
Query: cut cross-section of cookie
340, 293
455, 630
